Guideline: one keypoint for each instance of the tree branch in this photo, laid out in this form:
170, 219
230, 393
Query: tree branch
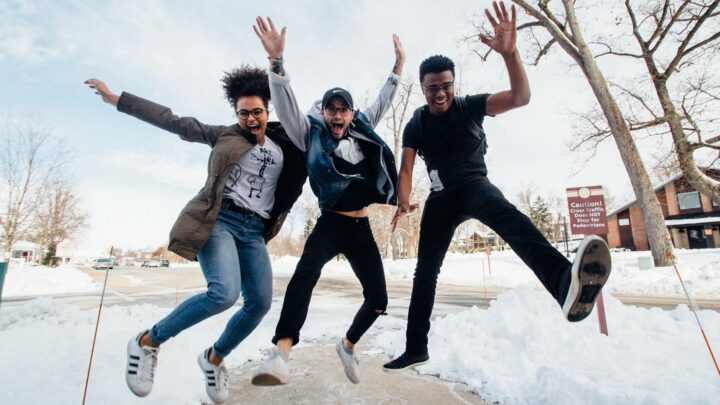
681, 51
548, 21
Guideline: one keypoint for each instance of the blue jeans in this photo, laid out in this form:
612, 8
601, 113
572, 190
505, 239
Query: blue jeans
233, 260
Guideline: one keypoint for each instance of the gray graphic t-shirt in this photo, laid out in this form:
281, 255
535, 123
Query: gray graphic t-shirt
252, 183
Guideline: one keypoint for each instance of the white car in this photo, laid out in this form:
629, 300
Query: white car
150, 263
102, 263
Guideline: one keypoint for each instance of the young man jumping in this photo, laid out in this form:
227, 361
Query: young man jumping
349, 167
448, 134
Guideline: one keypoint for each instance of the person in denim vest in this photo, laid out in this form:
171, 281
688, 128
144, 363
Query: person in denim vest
255, 174
448, 133
349, 167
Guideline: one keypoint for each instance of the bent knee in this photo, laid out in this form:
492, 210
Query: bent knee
258, 307
379, 304
222, 298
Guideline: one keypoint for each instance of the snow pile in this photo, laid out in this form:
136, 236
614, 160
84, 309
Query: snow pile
40, 280
521, 350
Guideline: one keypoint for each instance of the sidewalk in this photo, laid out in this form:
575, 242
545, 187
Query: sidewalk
318, 378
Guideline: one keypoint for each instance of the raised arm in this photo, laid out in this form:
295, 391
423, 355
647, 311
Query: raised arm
188, 128
377, 110
504, 43
295, 122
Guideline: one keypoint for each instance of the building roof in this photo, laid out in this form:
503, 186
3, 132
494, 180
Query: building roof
692, 221
656, 189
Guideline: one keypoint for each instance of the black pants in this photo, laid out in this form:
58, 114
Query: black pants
482, 201
334, 234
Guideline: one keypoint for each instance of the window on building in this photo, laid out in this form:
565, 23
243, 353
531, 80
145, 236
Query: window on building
689, 201
714, 204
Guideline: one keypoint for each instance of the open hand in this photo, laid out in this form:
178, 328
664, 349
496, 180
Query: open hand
402, 209
505, 30
101, 88
399, 55
272, 40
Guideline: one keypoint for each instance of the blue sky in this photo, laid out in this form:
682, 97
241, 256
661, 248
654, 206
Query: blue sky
134, 178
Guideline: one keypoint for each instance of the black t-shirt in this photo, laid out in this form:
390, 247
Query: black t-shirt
361, 192
453, 155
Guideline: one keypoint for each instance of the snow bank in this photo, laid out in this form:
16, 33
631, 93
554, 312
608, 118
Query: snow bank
521, 350
41, 280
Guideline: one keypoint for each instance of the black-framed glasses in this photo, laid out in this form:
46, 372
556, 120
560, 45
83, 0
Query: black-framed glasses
435, 88
344, 111
245, 114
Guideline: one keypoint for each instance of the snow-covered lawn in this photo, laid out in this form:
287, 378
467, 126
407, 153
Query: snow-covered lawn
29, 280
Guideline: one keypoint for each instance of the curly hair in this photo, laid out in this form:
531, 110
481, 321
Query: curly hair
436, 64
246, 81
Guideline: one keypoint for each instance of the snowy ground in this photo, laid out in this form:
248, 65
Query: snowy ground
28, 280
520, 350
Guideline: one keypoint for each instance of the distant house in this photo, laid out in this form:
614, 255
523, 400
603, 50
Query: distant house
691, 217
477, 241
25, 251
65, 252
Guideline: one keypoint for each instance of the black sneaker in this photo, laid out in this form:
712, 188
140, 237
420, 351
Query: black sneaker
405, 361
589, 272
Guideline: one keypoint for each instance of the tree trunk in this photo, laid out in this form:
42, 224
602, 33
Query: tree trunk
703, 183
658, 236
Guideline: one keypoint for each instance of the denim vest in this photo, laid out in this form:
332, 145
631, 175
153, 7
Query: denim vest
327, 183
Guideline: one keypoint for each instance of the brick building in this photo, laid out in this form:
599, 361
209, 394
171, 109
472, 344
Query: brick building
691, 217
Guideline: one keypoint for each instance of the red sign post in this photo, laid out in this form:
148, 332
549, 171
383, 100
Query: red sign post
586, 206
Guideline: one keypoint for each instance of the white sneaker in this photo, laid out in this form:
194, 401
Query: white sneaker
141, 362
216, 378
590, 270
349, 361
275, 370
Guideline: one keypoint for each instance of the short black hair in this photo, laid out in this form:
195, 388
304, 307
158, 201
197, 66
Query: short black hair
436, 64
246, 81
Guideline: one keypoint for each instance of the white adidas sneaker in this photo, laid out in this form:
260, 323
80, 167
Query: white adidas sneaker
141, 363
275, 370
216, 378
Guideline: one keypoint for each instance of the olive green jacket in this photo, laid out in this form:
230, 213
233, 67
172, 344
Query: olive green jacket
195, 222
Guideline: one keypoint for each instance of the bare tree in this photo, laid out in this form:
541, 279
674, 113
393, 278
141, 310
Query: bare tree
676, 43
564, 29
30, 156
400, 109
674, 36
395, 120
59, 216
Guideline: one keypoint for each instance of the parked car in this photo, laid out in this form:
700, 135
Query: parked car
129, 263
102, 263
164, 263
150, 263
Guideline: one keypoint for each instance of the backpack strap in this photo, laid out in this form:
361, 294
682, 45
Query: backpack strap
470, 123
417, 128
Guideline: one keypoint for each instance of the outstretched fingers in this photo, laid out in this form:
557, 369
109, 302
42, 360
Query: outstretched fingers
490, 18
